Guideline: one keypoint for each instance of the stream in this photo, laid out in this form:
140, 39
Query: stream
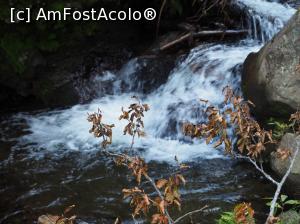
49, 160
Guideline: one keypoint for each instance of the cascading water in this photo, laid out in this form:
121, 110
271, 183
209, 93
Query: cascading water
265, 18
203, 74
54, 137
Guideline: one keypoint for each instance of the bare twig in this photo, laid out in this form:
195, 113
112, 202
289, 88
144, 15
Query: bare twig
134, 163
150, 180
260, 169
251, 136
172, 43
159, 16
132, 140
205, 9
160, 195
281, 183
190, 213
204, 33
134, 220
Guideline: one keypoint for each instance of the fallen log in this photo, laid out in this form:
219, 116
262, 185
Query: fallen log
208, 33
220, 33
174, 42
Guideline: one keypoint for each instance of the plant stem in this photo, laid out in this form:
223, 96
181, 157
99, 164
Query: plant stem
258, 168
280, 184
159, 17
190, 213
160, 195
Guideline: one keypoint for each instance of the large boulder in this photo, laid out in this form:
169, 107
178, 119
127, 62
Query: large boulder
280, 166
270, 78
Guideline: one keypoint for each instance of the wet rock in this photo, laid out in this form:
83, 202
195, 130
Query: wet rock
293, 3
289, 141
142, 74
270, 78
154, 71
53, 81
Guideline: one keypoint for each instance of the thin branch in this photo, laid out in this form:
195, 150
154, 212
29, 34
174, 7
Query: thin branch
115, 154
159, 16
126, 158
160, 195
204, 11
134, 220
203, 33
260, 169
279, 186
190, 213
150, 180
132, 140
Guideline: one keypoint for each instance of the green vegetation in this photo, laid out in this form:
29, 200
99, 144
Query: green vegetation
18, 41
279, 127
226, 218
284, 203
285, 209
242, 214
16, 49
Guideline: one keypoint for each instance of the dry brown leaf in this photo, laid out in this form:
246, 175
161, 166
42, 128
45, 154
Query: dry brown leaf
161, 183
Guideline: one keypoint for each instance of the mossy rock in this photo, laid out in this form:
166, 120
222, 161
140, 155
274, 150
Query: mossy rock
290, 217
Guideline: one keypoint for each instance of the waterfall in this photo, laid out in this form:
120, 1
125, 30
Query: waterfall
202, 74
265, 18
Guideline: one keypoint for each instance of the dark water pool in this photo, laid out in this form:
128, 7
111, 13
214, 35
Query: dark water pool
35, 185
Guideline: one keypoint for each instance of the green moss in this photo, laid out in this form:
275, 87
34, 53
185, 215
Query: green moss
19, 40
16, 50
290, 217
48, 37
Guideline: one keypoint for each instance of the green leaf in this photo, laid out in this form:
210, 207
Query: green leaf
276, 205
292, 202
283, 198
269, 198
226, 218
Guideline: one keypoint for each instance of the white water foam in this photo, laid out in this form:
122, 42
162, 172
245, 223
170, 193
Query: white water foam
266, 18
203, 74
